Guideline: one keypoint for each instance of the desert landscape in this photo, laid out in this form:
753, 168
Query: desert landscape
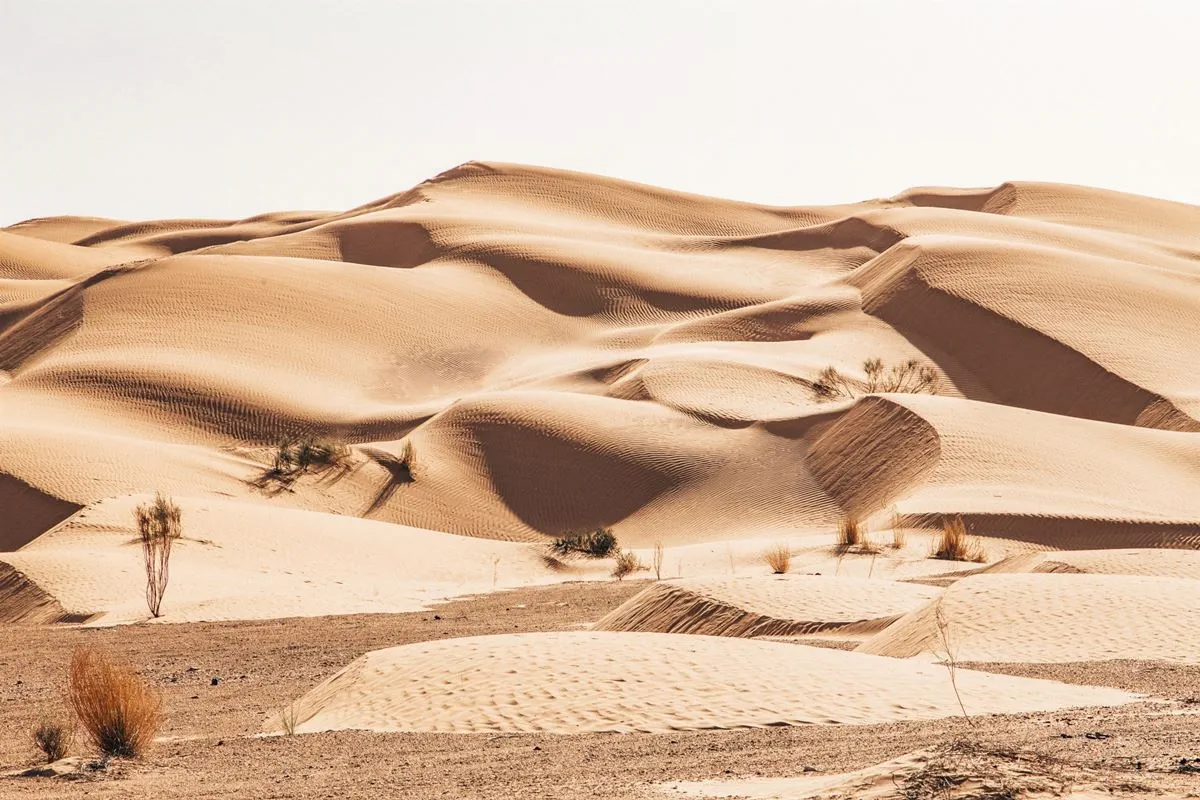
525, 482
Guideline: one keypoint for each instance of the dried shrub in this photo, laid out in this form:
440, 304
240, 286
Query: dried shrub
159, 525
850, 533
627, 564
956, 544
600, 543
53, 740
117, 709
910, 376
658, 560
295, 458
778, 558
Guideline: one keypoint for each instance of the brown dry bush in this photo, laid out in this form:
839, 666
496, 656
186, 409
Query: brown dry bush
778, 558
658, 560
159, 525
118, 711
956, 544
627, 564
53, 740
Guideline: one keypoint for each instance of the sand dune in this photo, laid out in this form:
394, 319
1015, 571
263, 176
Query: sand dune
776, 606
560, 351
602, 681
1048, 618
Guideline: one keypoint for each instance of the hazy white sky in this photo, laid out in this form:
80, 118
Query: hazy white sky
225, 109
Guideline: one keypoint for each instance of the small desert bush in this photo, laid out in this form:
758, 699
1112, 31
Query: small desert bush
778, 558
658, 560
600, 543
53, 740
159, 525
118, 711
911, 376
295, 458
627, 564
956, 544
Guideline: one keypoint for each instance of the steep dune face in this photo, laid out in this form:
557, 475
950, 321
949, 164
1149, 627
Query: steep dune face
560, 351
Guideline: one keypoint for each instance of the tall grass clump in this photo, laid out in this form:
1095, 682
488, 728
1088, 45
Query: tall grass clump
956, 544
159, 525
850, 533
118, 711
778, 558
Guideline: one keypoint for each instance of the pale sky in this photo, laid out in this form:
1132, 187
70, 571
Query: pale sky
158, 109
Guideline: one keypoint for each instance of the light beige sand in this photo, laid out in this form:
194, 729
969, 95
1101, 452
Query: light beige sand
604, 681
1161, 563
778, 605
538, 335
1048, 618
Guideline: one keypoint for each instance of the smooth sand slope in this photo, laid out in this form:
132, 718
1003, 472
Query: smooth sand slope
563, 351
1046, 618
779, 605
602, 681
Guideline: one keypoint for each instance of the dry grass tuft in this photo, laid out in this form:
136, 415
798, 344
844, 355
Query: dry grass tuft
851, 533
627, 564
117, 709
159, 525
53, 740
658, 560
957, 545
778, 558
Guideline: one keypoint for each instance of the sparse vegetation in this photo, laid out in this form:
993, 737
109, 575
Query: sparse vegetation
159, 525
778, 558
600, 543
899, 534
910, 376
956, 544
288, 718
950, 655
118, 710
627, 564
53, 740
658, 560
295, 458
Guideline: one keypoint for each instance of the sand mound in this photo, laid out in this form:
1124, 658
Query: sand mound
601, 681
1158, 563
1013, 473
768, 606
562, 351
1048, 618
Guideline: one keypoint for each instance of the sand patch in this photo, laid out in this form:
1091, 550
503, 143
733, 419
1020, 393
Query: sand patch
602, 681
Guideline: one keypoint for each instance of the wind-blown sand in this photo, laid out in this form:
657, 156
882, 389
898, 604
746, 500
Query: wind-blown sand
514, 353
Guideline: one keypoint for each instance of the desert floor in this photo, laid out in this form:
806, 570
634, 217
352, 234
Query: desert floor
210, 748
